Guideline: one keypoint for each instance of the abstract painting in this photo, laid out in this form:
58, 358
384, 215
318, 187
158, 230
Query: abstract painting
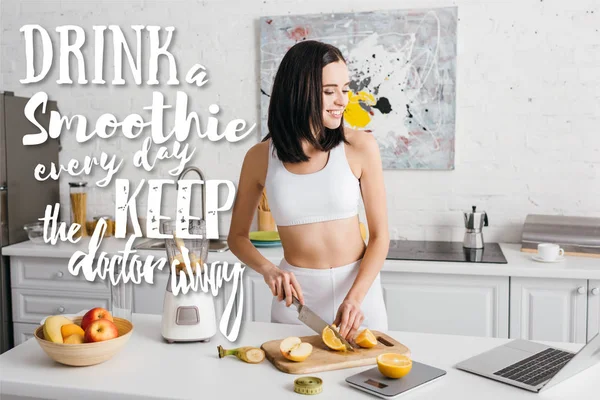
402, 66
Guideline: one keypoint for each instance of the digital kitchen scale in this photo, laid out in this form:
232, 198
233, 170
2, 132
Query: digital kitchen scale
372, 381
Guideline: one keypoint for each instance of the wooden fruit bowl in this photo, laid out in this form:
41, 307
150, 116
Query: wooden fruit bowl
85, 354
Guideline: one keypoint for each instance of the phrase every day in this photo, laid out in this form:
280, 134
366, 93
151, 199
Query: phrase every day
71, 40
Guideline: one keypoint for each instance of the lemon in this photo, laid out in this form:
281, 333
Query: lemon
366, 339
331, 340
394, 365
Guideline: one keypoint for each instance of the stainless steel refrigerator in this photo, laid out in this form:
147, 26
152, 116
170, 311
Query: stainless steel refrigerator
23, 199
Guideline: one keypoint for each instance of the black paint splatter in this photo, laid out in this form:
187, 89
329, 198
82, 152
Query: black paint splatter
408, 111
383, 105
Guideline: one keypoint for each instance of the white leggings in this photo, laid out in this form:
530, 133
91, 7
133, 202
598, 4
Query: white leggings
325, 289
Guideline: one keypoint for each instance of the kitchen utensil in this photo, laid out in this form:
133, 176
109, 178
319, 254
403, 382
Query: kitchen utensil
474, 223
316, 323
373, 382
323, 358
266, 244
578, 236
264, 236
85, 354
550, 251
537, 258
35, 232
187, 317
78, 195
110, 224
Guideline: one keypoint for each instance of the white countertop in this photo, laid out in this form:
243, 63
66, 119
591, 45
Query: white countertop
148, 367
519, 263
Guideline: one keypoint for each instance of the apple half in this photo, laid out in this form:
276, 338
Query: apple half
294, 349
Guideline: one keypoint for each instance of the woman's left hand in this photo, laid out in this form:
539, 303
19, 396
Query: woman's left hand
349, 318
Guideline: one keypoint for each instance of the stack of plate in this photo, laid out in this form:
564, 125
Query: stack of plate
265, 238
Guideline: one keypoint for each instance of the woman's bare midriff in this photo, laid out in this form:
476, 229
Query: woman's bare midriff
323, 245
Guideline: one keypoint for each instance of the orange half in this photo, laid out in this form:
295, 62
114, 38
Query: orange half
331, 340
394, 365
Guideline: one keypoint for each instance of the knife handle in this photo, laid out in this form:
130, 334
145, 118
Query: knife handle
295, 301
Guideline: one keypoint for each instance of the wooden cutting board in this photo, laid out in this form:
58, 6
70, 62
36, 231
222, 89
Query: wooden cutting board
323, 358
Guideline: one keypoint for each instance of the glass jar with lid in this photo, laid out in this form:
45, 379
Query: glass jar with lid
78, 195
110, 224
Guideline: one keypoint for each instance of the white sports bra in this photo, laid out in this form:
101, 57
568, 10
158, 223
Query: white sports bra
328, 194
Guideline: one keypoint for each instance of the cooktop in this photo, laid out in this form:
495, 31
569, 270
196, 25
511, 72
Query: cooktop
444, 251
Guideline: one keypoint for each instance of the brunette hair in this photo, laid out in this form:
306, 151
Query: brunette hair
295, 107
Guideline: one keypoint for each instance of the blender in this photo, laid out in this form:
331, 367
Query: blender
190, 316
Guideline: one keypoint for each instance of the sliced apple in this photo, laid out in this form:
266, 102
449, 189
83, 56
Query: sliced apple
294, 349
52, 328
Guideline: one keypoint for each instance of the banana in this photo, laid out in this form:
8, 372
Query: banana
249, 354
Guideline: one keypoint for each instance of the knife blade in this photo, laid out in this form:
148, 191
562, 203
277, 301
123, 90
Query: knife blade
316, 323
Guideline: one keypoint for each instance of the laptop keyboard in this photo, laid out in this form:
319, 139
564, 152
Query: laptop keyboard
537, 368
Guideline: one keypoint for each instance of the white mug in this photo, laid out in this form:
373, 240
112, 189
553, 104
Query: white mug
550, 251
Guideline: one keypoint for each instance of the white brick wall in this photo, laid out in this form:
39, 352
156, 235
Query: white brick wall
528, 102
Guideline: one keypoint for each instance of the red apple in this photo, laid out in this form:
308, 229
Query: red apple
101, 330
93, 315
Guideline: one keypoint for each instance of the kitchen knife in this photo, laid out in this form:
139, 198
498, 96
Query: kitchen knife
316, 323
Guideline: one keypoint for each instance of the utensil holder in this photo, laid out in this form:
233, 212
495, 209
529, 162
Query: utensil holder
266, 222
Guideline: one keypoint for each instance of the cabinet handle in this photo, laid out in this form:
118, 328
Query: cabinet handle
59, 274
581, 290
61, 309
595, 291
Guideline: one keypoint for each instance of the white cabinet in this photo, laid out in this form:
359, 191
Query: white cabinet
449, 304
549, 309
148, 298
23, 332
33, 305
257, 297
593, 308
42, 286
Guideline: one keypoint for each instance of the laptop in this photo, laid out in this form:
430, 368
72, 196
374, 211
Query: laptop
532, 366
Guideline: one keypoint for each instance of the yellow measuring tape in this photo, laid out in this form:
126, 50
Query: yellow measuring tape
308, 385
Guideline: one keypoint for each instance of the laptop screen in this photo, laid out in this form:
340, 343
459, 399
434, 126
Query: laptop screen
585, 358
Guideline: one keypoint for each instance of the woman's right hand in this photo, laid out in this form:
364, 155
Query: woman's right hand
283, 284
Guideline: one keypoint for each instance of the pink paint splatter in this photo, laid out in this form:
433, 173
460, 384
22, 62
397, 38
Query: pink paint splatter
401, 145
298, 33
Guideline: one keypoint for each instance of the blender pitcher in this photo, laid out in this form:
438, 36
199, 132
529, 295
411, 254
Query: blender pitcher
197, 247
187, 316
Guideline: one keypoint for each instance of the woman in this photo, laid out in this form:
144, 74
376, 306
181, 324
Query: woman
315, 170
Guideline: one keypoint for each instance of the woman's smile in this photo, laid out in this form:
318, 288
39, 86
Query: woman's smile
336, 113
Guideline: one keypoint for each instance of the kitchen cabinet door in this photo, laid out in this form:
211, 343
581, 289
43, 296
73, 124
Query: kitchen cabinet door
593, 309
33, 305
257, 297
149, 298
547, 309
23, 332
447, 304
